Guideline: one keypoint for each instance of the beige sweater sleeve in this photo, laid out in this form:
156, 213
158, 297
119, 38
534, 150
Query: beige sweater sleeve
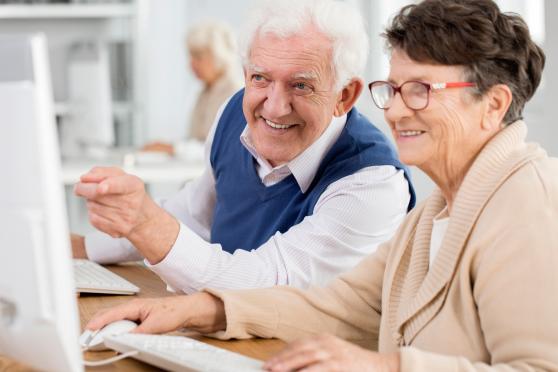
348, 308
515, 283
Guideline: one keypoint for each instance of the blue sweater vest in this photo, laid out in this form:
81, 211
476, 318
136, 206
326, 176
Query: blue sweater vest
247, 213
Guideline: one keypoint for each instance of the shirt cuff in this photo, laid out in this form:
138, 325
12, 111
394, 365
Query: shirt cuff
104, 249
184, 266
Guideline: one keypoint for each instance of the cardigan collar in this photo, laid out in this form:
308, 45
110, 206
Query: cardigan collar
420, 290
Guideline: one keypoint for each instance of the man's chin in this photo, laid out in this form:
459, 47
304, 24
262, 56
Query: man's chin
276, 158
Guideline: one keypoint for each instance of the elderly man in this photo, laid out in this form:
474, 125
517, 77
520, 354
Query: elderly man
299, 186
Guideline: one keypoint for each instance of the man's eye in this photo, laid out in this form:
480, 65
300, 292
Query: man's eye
257, 77
302, 88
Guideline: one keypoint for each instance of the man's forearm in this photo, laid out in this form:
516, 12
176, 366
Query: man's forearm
155, 238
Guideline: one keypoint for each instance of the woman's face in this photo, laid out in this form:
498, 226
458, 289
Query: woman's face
444, 138
202, 64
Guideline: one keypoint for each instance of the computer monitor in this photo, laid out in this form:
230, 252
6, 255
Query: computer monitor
39, 323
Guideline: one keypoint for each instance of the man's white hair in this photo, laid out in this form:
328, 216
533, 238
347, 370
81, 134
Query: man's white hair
218, 38
338, 21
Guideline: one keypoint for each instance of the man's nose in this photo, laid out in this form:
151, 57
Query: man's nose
278, 102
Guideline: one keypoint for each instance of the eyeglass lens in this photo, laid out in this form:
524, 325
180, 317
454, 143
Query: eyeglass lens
414, 94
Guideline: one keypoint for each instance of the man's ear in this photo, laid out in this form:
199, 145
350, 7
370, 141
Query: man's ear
499, 99
348, 96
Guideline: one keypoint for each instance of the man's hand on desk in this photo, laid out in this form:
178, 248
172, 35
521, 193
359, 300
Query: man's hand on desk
78, 246
201, 312
119, 206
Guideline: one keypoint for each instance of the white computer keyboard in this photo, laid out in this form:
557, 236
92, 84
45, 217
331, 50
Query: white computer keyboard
91, 277
180, 353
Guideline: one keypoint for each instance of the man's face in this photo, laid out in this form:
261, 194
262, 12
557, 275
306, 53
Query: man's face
290, 98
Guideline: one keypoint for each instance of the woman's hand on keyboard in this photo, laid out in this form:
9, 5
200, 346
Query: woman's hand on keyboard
201, 312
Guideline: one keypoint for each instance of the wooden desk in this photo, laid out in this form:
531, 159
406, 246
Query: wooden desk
151, 286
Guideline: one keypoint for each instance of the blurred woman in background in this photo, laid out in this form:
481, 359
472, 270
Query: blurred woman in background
213, 59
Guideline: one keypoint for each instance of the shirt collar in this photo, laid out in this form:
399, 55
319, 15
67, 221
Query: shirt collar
306, 164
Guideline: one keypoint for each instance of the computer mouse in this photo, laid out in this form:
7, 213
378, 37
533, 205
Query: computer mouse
93, 340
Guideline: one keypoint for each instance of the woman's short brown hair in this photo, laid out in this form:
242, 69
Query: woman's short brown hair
494, 47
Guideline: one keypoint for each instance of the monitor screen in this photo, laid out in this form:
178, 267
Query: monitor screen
39, 323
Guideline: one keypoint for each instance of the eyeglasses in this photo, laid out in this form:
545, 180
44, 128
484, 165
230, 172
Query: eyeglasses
415, 94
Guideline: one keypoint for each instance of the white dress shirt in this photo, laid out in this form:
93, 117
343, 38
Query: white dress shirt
350, 219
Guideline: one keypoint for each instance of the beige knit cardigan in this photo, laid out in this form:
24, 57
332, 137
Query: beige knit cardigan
488, 303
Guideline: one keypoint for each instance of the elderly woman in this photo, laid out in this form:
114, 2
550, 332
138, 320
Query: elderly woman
470, 280
213, 59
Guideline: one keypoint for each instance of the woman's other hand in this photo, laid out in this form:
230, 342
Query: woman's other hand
329, 353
